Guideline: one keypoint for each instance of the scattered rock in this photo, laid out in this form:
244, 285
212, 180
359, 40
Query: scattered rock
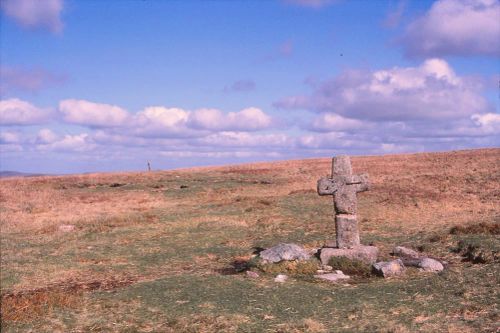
389, 268
333, 277
284, 252
405, 252
280, 278
430, 265
251, 274
415, 259
67, 228
366, 254
184, 186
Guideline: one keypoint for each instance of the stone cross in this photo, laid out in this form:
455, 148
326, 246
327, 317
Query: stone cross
343, 185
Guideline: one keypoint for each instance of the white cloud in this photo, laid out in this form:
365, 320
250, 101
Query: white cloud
164, 117
329, 122
18, 112
250, 119
219, 154
488, 122
244, 139
70, 143
335, 141
159, 121
430, 91
455, 27
9, 137
35, 13
45, 136
91, 114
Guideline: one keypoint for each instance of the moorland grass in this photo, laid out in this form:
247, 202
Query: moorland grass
147, 255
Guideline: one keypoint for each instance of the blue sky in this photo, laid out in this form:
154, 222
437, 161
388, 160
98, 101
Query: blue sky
106, 86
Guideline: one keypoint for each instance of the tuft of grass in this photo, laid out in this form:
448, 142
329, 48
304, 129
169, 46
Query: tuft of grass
478, 228
206, 324
350, 267
479, 250
308, 325
26, 307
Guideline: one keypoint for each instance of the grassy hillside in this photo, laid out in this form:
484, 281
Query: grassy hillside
162, 251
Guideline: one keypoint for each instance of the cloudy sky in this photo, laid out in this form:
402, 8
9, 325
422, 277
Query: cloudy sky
107, 86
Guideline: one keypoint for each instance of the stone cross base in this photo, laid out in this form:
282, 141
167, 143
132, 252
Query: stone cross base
347, 231
366, 254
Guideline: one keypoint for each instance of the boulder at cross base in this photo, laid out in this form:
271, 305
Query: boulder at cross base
284, 251
430, 265
389, 268
366, 254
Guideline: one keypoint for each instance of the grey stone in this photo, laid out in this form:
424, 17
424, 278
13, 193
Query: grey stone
252, 274
282, 252
333, 277
366, 254
430, 265
341, 165
347, 231
389, 268
280, 278
415, 259
405, 252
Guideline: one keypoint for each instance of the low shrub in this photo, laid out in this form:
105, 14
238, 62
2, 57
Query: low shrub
350, 267
478, 228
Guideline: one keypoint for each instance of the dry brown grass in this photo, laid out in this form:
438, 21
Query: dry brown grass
407, 190
43, 203
29, 304
26, 307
